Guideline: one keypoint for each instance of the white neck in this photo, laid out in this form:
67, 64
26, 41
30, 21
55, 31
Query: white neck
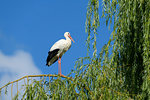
68, 39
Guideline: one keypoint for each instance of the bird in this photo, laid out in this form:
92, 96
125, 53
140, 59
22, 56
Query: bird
57, 51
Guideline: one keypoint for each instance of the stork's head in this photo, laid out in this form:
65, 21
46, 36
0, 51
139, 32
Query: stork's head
67, 34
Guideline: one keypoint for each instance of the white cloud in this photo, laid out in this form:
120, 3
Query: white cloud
16, 66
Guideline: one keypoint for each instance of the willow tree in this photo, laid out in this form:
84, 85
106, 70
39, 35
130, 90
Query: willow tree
131, 43
121, 70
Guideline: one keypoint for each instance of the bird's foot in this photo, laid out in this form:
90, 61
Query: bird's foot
61, 75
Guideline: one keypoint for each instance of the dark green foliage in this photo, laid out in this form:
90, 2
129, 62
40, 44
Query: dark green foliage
131, 43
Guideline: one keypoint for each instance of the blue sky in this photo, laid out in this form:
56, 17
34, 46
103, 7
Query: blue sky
28, 28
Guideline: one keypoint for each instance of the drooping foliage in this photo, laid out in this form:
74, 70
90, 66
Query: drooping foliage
121, 70
131, 43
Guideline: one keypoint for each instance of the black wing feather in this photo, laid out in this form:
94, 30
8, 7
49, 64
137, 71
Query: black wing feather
51, 54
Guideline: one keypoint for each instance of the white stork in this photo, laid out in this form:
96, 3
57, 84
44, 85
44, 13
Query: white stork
58, 49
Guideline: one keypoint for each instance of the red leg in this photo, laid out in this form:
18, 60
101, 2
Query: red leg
59, 66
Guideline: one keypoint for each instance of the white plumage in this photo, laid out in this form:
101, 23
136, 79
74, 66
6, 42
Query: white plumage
58, 49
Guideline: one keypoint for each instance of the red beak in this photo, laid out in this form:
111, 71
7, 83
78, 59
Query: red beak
71, 38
